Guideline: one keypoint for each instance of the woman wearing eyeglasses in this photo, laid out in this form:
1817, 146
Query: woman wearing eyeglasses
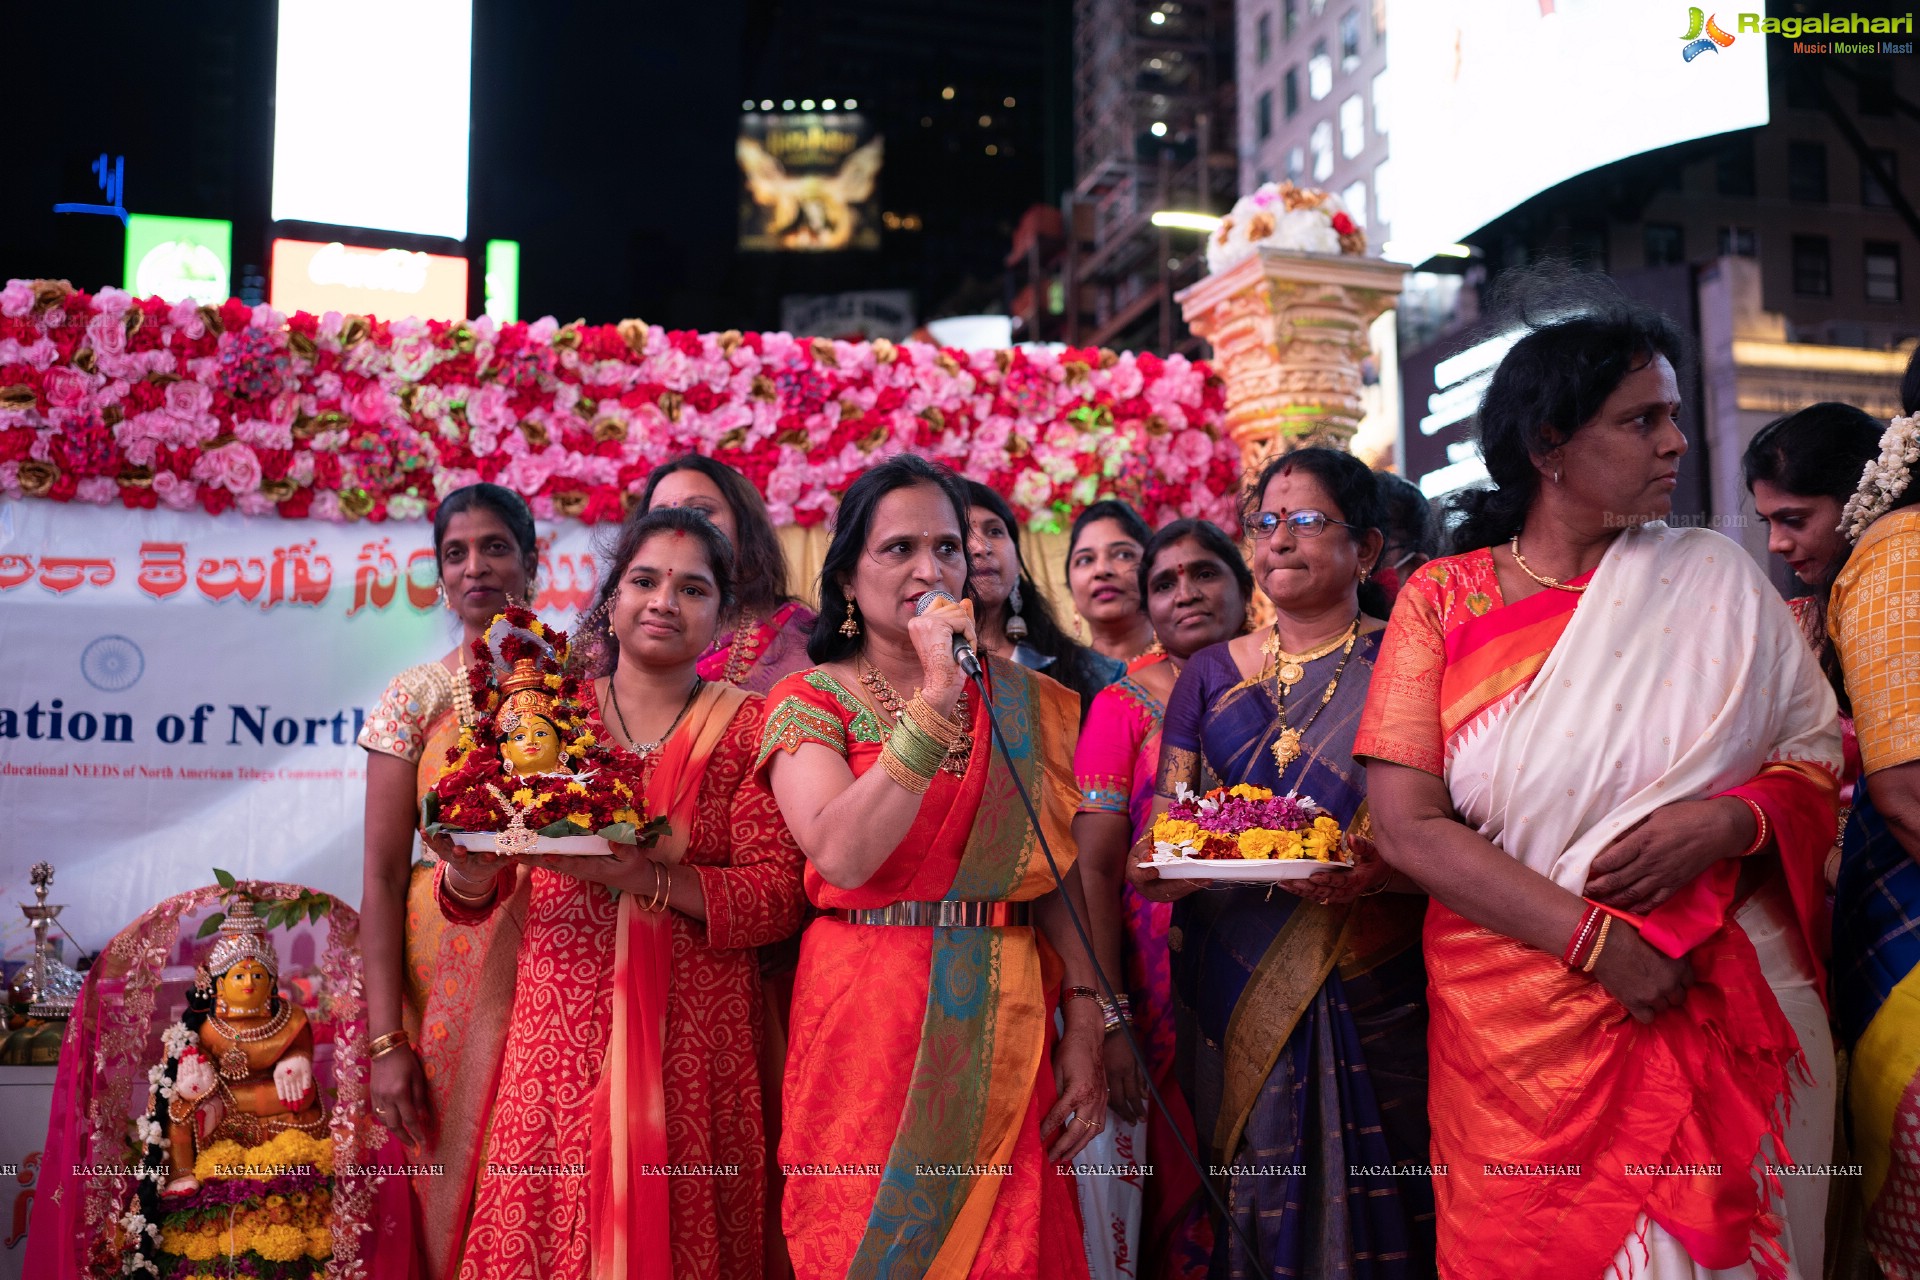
1301, 1011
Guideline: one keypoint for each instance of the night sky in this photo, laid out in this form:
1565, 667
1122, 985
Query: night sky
602, 140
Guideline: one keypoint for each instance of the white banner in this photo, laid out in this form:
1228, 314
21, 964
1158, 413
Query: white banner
180, 692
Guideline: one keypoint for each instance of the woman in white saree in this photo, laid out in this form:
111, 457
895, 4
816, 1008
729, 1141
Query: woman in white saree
1605, 749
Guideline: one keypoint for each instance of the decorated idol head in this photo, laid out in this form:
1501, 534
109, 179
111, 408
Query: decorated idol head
527, 668
243, 965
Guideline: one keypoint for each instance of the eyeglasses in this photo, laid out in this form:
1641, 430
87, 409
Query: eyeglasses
1303, 524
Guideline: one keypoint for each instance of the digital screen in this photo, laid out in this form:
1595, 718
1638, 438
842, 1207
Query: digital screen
1493, 101
371, 106
809, 182
389, 284
500, 287
178, 258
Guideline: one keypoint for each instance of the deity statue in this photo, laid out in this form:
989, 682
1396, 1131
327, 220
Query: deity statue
249, 1077
529, 743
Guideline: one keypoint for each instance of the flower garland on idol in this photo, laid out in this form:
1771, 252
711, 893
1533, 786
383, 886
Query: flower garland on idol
529, 768
107, 398
1885, 479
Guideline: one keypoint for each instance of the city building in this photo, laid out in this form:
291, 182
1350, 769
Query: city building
1153, 118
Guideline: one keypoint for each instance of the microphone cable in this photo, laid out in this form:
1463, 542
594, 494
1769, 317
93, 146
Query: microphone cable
1240, 1235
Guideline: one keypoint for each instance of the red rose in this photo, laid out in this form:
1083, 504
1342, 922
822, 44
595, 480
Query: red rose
15, 443
1342, 224
215, 499
138, 497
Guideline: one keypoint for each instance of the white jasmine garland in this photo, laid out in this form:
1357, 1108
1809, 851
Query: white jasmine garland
1885, 479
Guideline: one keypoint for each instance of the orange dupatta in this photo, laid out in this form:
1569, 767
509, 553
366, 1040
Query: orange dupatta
631, 1239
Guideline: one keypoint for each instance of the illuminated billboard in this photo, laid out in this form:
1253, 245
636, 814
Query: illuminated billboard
371, 101
1493, 101
178, 258
387, 283
809, 181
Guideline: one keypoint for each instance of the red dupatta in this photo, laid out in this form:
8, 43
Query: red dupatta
627, 1182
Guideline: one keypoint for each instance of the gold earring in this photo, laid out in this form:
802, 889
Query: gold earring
849, 628
610, 630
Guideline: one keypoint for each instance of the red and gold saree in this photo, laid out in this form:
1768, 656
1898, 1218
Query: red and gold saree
1575, 1138
918, 1070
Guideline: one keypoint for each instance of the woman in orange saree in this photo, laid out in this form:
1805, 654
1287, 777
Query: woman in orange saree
1604, 747
925, 1126
431, 994
622, 1132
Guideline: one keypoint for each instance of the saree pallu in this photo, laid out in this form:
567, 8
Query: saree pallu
1303, 1025
918, 1070
1566, 1127
1876, 933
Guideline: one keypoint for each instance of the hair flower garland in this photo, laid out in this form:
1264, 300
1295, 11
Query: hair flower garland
109, 398
1885, 479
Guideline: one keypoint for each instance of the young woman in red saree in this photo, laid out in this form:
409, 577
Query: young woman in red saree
622, 1117
924, 1120
1605, 749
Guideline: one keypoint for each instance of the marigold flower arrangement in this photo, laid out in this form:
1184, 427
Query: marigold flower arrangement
1248, 823
520, 677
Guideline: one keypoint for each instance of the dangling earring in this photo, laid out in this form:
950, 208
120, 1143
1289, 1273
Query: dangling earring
849, 628
610, 630
1016, 627
1556, 475
442, 589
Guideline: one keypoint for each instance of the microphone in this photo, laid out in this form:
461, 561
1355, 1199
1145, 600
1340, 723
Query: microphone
963, 655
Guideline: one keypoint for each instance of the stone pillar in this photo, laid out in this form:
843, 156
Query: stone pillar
1288, 332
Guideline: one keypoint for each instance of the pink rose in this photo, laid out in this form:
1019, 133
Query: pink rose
371, 405
188, 399
174, 493
232, 467
1193, 448
16, 299
98, 489
326, 506
67, 388
107, 335
254, 504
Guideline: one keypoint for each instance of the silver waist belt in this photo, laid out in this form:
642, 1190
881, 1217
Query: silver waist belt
943, 914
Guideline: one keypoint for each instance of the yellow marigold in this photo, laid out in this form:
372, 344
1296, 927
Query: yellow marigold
539, 628
1320, 842
580, 820
577, 788
218, 1159
280, 1243
199, 1246
1258, 843
523, 796
622, 790
553, 682
319, 1242
1175, 830
1242, 791
626, 815
585, 740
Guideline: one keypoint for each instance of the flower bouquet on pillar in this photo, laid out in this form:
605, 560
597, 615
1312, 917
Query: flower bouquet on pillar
528, 775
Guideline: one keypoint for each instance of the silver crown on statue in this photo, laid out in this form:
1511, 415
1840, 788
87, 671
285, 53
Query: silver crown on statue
55, 987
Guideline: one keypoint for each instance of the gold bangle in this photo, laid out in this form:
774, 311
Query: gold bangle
897, 768
1599, 943
936, 726
387, 1043
475, 901
662, 887
917, 748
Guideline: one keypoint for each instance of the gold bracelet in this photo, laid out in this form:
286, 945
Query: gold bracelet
936, 726
897, 768
387, 1043
917, 748
1599, 942
465, 900
662, 887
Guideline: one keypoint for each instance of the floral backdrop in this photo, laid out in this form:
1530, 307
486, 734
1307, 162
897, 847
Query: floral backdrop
107, 398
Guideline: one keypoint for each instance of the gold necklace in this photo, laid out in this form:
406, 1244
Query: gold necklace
233, 1063
1286, 748
1541, 578
1292, 667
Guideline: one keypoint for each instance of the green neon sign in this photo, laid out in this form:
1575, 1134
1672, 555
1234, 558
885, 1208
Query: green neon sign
176, 258
502, 283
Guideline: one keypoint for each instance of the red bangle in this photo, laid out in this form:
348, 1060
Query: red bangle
1760, 825
1581, 936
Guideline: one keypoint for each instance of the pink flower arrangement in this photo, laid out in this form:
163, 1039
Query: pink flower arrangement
346, 417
